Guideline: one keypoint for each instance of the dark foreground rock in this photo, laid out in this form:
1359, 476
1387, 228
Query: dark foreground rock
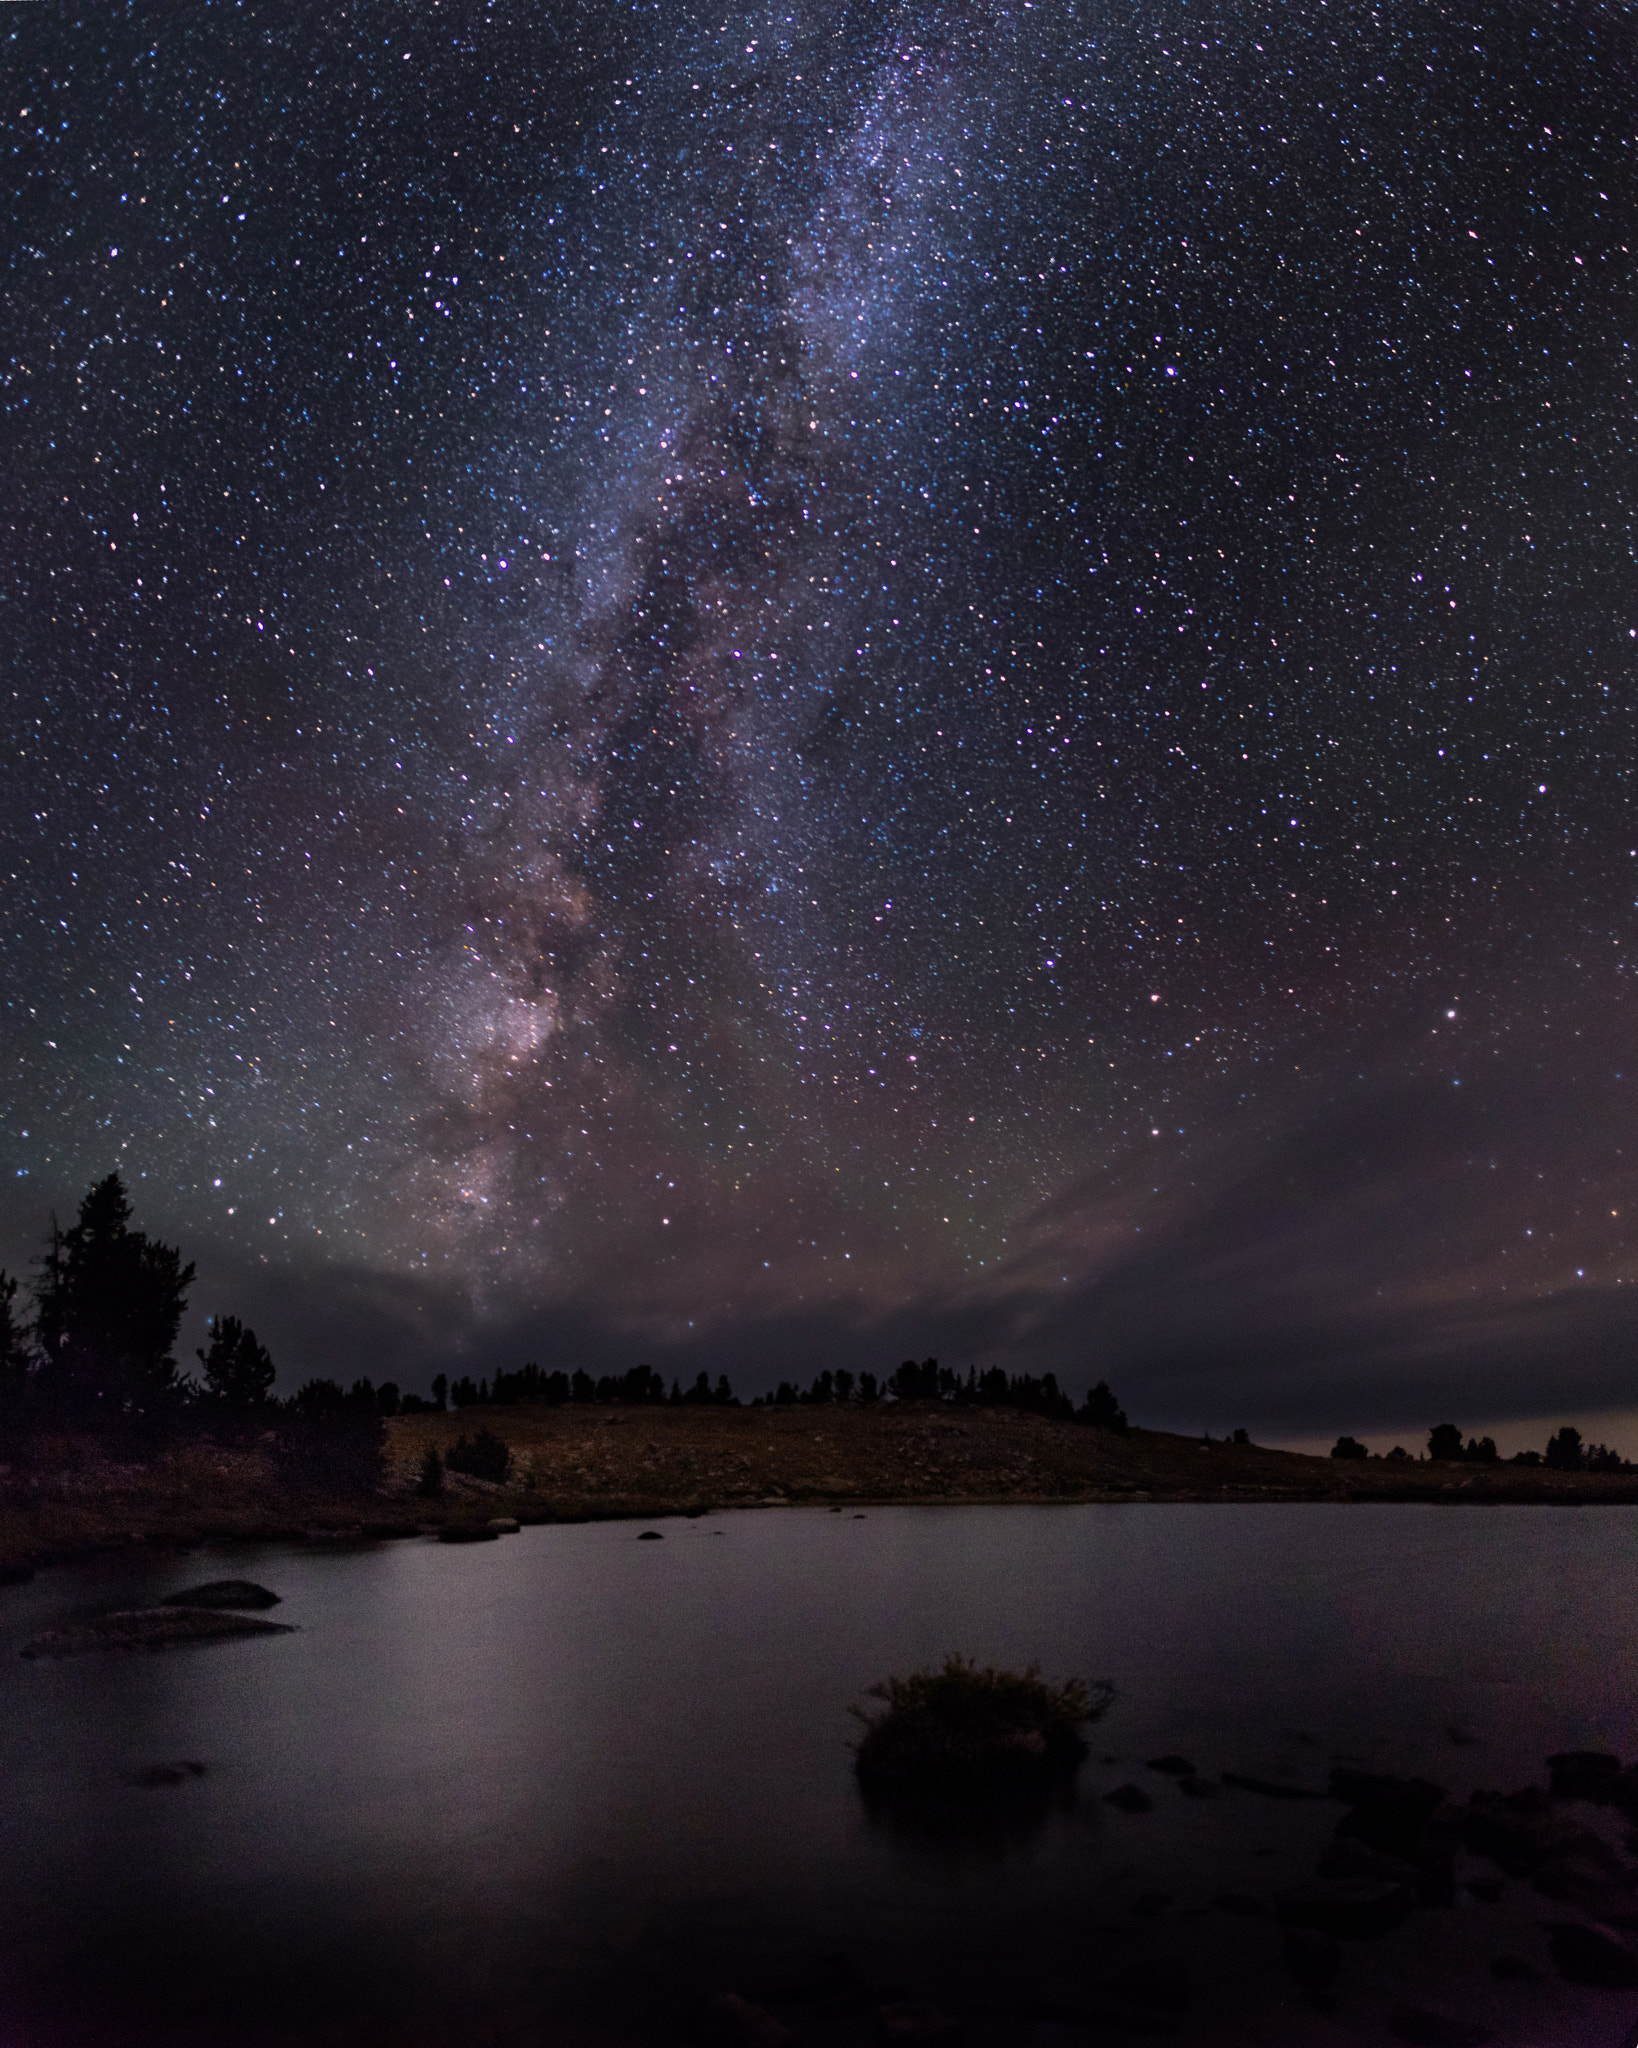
1522, 1830
1352, 1909
1592, 1956
1388, 1813
150, 1628
1315, 1961
1583, 1774
225, 1593
1423, 2029
469, 1532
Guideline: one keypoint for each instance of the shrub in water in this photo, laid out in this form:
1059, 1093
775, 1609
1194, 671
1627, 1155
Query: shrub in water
968, 1730
483, 1457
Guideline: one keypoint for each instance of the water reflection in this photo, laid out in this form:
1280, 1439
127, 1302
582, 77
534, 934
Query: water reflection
983, 1826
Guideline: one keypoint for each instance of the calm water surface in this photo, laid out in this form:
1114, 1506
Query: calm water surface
576, 1774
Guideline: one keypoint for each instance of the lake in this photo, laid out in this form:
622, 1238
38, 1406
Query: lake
549, 1787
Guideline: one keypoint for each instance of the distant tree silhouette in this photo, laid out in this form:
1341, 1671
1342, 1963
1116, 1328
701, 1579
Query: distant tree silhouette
1348, 1447
1564, 1450
109, 1301
14, 1358
321, 1397
431, 1482
440, 1391
237, 1368
1481, 1450
1103, 1411
1445, 1441
914, 1382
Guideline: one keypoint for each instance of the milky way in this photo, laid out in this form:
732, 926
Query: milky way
767, 688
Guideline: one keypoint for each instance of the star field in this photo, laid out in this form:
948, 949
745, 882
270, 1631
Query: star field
775, 685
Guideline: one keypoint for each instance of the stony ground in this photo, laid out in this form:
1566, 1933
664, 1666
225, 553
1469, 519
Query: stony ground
68, 1496
644, 1461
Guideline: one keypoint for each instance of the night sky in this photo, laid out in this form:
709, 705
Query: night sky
776, 687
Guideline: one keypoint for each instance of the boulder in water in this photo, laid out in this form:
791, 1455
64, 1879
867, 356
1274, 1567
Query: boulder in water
228, 1593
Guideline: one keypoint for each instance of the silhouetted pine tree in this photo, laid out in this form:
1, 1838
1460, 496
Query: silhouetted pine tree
108, 1304
237, 1368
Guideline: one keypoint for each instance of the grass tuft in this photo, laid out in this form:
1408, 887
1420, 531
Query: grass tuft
963, 1729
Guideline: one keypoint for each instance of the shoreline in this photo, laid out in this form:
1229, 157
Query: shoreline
67, 1498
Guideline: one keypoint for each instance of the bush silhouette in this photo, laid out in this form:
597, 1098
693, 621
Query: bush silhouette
431, 1482
1348, 1447
481, 1457
963, 1729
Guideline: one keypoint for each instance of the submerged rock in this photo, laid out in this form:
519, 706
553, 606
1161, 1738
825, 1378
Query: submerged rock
1242, 1905
223, 1593
725, 2020
1129, 1799
1424, 2029
1269, 1788
910, 2023
152, 1777
150, 1628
